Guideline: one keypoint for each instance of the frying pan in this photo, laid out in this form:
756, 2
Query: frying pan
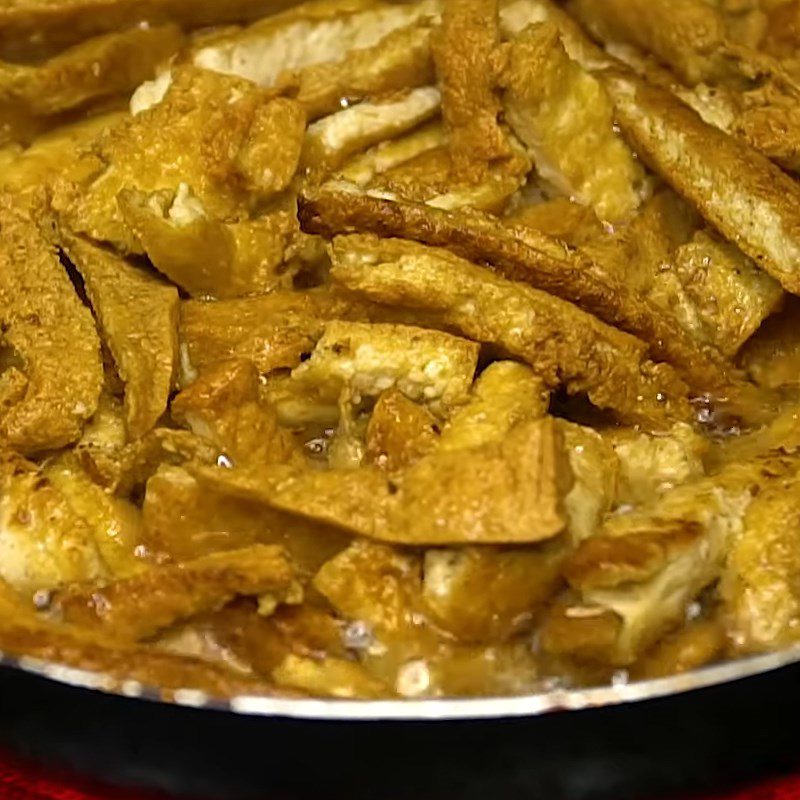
704, 730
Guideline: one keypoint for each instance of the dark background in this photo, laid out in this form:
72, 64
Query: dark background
708, 740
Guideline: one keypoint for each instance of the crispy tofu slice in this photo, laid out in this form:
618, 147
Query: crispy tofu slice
467, 64
44, 405
332, 140
505, 394
400, 60
311, 34
273, 330
772, 356
686, 35
108, 66
34, 29
500, 493
484, 594
586, 355
54, 153
565, 118
399, 433
185, 519
740, 192
519, 253
596, 469
330, 677
223, 406
45, 541
230, 142
138, 319
637, 576
650, 466
761, 606
139, 607
383, 157
427, 366
204, 256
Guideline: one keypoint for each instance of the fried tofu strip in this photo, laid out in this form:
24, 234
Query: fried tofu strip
585, 355
401, 60
333, 139
637, 576
772, 356
565, 118
34, 29
138, 318
465, 51
761, 606
271, 51
382, 158
519, 254
330, 677
206, 257
139, 607
108, 66
223, 406
44, 405
45, 541
273, 331
687, 35
740, 192
426, 366
225, 139
507, 492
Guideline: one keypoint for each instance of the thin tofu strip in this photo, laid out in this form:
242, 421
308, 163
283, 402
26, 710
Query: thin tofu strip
636, 577
466, 62
520, 254
269, 51
565, 118
564, 345
33, 29
740, 192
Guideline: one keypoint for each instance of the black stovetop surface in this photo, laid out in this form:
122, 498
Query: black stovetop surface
669, 748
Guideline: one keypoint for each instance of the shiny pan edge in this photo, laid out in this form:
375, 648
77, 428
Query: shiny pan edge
415, 710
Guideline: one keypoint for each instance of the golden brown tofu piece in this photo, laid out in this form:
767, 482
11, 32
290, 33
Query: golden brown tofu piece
138, 319
223, 406
467, 63
500, 493
388, 155
399, 432
231, 143
483, 594
332, 140
45, 541
761, 603
108, 66
646, 566
687, 35
329, 677
519, 253
772, 356
184, 519
137, 608
54, 153
272, 330
586, 356
565, 118
427, 366
43, 322
206, 257
505, 394
35, 29
740, 192
400, 60
650, 466
596, 468
271, 51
